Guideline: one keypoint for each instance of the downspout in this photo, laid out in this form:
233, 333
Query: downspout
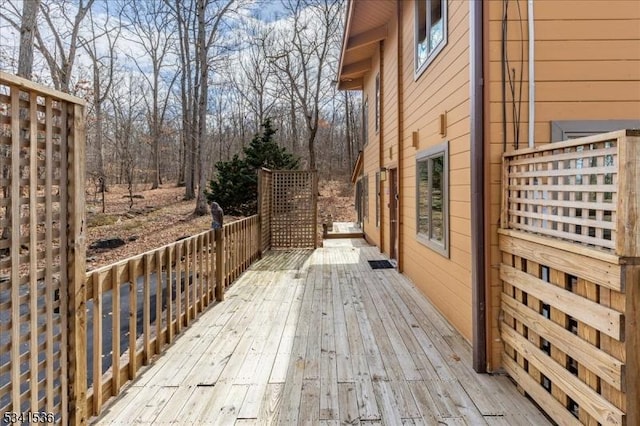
400, 102
532, 79
477, 189
379, 106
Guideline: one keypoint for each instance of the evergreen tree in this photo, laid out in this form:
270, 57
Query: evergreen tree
263, 151
235, 186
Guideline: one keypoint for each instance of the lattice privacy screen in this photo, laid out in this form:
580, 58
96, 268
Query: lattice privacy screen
36, 139
293, 209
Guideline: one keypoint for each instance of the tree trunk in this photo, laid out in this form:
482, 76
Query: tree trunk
312, 148
348, 130
27, 28
201, 202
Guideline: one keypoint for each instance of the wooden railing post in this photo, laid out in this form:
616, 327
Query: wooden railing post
628, 247
628, 208
632, 337
76, 267
220, 264
260, 205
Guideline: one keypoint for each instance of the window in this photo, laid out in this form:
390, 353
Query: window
365, 122
430, 31
377, 102
570, 129
432, 198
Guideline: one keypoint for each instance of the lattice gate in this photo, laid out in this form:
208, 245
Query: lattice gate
291, 219
42, 254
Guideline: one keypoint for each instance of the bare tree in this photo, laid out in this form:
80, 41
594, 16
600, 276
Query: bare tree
102, 65
251, 77
25, 69
27, 31
152, 30
199, 26
127, 115
59, 50
303, 58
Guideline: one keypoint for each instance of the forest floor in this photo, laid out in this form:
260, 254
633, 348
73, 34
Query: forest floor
161, 216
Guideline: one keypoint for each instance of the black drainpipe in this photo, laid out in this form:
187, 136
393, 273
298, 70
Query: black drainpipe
477, 191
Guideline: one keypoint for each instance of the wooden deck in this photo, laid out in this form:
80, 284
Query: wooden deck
340, 230
318, 337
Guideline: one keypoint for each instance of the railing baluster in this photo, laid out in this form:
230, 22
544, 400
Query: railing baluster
219, 240
133, 319
196, 278
97, 342
178, 282
187, 283
146, 310
207, 261
203, 277
169, 252
159, 339
115, 335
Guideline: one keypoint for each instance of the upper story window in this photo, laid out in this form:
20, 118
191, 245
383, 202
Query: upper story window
431, 31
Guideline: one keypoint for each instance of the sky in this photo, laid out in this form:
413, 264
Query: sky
266, 11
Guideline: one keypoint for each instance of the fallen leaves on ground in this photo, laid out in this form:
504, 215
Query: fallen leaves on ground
162, 216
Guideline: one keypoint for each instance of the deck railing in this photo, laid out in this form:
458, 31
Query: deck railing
570, 243
136, 307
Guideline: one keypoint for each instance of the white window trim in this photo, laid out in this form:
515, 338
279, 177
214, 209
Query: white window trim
435, 151
419, 69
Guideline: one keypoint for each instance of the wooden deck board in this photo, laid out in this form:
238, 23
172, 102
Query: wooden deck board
320, 338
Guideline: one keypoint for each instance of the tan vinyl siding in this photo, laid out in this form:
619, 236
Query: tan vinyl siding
390, 125
442, 87
371, 153
587, 68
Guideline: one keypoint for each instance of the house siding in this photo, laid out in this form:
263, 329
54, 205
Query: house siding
443, 88
390, 126
587, 68
371, 152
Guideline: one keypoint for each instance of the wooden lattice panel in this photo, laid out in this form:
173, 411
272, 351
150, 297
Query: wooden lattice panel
563, 328
34, 209
293, 210
566, 190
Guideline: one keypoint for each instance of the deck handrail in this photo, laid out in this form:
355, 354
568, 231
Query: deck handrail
577, 190
199, 269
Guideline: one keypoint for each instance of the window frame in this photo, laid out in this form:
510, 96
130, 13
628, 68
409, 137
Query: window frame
442, 149
419, 68
568, 129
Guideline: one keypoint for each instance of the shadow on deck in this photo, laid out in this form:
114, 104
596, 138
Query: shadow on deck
319, 337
